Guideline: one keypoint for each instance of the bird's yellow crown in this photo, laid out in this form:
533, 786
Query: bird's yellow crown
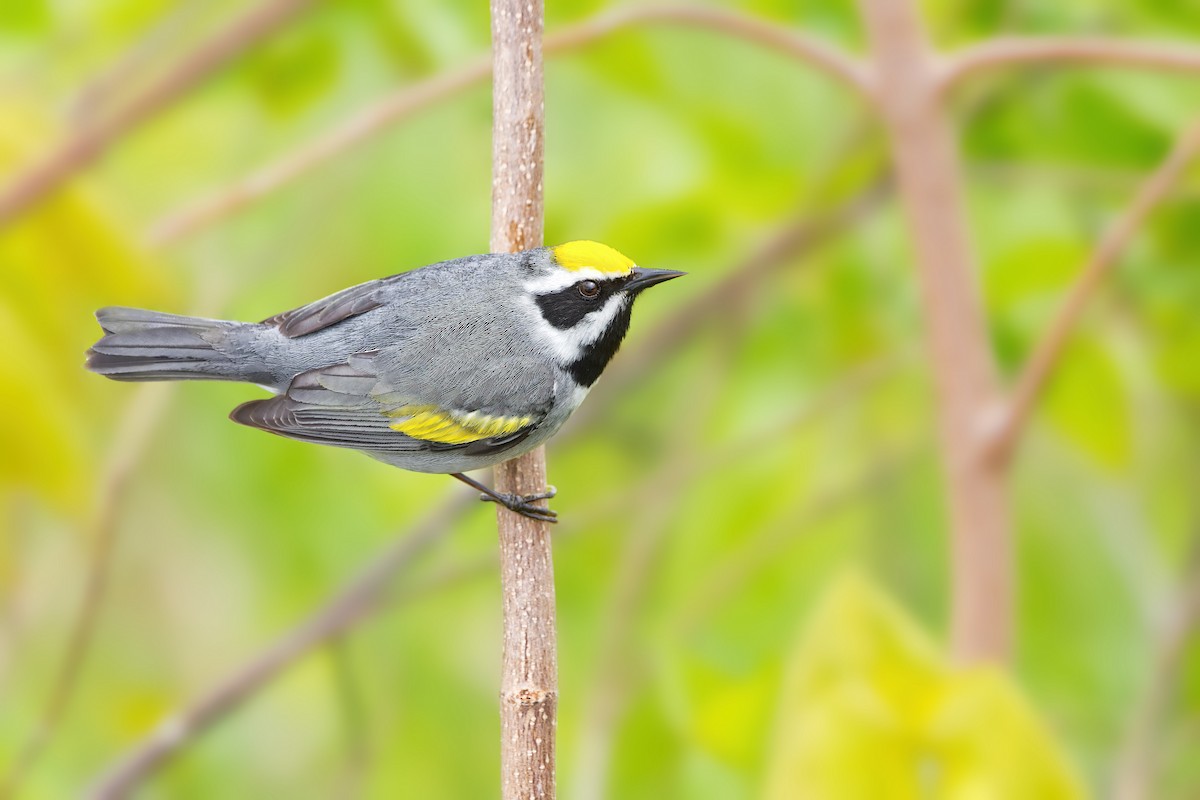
583, 254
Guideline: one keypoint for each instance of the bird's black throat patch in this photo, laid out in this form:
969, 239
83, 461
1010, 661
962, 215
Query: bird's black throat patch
587, 368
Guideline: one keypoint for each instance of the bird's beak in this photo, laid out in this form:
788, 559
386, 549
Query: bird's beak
645, 278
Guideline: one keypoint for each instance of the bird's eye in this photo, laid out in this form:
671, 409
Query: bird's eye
588, 289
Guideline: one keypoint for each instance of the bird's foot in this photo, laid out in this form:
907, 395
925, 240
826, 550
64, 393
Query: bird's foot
525, 504
517, 503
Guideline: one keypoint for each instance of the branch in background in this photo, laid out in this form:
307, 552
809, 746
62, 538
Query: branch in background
656, 497
369, 122
100, 93
1097, 51
354, 603
822, 56
529, 675
925, 154
612, 675
352, 777
89, 143
350, 605
138, 423
802, 236
738, 569
1135, 763
1031, 383
377, 117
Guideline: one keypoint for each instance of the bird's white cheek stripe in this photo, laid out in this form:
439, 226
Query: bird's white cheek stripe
568, 345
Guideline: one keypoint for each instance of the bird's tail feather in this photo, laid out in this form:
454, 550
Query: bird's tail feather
141, 345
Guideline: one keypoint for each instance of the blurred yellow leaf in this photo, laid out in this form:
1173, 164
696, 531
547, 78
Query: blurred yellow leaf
59, 261
872, 709
729, 723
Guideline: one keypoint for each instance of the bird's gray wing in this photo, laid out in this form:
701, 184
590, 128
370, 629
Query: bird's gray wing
329, 310
348, 405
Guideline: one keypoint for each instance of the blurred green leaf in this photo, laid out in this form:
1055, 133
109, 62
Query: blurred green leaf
24, 16
291, 71
1088, 402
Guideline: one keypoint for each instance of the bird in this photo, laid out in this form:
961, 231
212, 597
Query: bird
446, 368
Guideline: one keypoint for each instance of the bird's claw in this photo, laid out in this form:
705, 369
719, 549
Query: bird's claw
524, 504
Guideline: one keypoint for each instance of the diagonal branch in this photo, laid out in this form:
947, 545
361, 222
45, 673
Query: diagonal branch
141, 418
1031, 383
381, 114
1140, 750
352, 603
1088, 50
90, 142
370, 121
104, 89
801, 236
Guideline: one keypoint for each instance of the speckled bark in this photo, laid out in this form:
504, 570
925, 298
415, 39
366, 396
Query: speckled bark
529, 684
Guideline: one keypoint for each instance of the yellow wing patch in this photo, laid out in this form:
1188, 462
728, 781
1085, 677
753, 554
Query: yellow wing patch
577, 255
432, 424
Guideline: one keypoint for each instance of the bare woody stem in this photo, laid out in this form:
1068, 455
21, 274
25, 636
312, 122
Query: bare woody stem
1039, 368
1095, 50
925, 153
529, 682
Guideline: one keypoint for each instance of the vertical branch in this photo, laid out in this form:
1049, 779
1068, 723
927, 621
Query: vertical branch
529, 684
924, 150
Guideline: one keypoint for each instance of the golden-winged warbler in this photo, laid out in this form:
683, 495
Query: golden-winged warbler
447, 368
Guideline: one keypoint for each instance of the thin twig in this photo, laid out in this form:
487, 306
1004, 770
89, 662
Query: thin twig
823, 56
134, 433
1001, 441
656, 497
101, 91
1135, 761
610, 689
89, 143
372, 120
1097, 50
352, 603
738, 568
350, 781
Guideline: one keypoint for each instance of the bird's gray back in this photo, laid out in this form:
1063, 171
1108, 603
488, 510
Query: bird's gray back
441, 331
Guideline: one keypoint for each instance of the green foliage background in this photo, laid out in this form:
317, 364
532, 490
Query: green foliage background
705, 508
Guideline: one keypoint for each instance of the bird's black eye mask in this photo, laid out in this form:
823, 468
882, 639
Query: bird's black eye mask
566, 308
